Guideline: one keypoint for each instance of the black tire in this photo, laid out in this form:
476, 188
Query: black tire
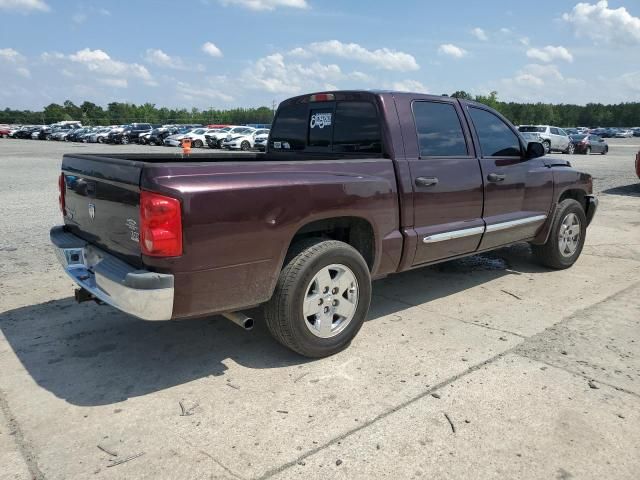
547, 146
284, 314
197, 143
549, 254
125, 140
587, 151
219, 143
570, 149
244, 146
605, 151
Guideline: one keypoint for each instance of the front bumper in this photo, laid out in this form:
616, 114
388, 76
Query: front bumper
141, 293
173, 143
592, 206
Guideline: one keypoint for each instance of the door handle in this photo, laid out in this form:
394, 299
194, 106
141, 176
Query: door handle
426, 181
495, 177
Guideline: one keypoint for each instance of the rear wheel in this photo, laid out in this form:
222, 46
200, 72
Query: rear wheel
125, 140
100, 139
587, 151
219, 143
547, 146
566, 237
244, 146
321, 299
570, 149
606, 150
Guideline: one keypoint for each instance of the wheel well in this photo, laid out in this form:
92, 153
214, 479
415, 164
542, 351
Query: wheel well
576, 194
354, 231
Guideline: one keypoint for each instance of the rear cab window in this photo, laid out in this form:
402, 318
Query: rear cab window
341, 125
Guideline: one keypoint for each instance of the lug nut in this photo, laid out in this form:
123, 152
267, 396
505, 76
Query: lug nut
326, 309
320, 302
335, 303
325, 290
335, 290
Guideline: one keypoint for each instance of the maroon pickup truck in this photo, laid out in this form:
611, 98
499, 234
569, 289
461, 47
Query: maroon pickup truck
353, 186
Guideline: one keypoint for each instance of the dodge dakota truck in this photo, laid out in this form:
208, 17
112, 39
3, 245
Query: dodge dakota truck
353, 186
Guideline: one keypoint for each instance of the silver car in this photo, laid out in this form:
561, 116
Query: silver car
554, 139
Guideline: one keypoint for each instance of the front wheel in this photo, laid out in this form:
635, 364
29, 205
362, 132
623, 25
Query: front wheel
605, 151
244, 146
197, 143
570, 149
547, 146
125, 140
321, 299
587, 151
566, 237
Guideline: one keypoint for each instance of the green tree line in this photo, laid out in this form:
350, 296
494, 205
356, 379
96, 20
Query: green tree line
120, 113
563, 115
566, 115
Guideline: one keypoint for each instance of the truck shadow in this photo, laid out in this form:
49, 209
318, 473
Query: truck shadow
93, 355
632, 190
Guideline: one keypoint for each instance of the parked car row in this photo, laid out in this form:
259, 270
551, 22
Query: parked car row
232, 137
571, 140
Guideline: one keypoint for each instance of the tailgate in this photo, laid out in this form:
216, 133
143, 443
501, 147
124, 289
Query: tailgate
102, 203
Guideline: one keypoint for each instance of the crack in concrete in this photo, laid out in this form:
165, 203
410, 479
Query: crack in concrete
25, 449
514, 350
274, 471
450, 317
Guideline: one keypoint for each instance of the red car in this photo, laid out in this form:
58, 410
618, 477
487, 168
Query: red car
4, 131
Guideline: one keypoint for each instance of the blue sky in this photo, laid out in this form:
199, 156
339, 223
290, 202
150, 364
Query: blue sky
227, 53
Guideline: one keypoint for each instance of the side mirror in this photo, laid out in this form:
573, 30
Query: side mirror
535, 150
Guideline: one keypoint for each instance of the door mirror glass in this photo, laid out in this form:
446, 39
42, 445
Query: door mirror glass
535, 150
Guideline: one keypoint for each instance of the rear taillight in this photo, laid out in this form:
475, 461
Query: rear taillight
160, 225
61, 194
322, 97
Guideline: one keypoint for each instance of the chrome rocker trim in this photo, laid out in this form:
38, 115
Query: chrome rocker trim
496, 227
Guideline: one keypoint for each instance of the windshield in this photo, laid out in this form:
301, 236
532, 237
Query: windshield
527, 128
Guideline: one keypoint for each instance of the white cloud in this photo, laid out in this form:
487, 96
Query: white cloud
24, 6
15, 61
211, 49
480, 34
157, 57
409, 86
114, 82
603, 24
104, 12
99, 63
529, 80
550, 53
190, 92
24, 71
10, 55
299, 52
452, 50
266, 4
384, 58
274, 75
79, 18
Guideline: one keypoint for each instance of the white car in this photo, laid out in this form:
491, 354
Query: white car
175, 140
624, 134
214, 140
198, 138
241, 138
99, 136
244, 140
261, 139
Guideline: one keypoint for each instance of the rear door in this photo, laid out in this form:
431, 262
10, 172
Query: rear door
447, 181
517, 191
102, 203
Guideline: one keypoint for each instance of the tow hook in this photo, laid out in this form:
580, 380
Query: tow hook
82, 295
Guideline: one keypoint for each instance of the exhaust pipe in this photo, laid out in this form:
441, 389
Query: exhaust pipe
239, 319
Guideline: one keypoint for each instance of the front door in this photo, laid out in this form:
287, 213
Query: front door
447, 182
517, 191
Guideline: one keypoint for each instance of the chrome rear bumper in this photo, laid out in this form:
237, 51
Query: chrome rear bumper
143, 294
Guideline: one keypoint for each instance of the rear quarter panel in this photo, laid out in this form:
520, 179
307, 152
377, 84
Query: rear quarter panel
239, 219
